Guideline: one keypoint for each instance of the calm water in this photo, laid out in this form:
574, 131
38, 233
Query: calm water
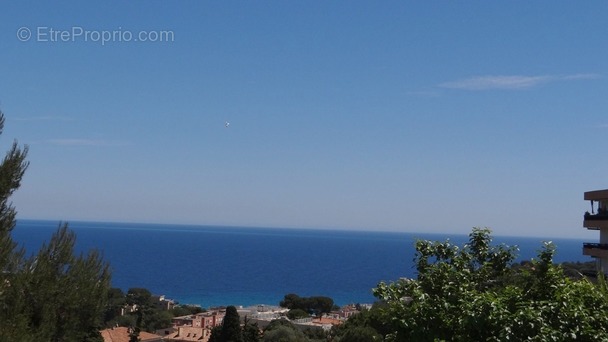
245, 266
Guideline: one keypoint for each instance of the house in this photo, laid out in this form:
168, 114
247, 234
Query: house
344, 313
186, 333
195, 327
597, 219
163, 303
205, 320
326, 323
121, 334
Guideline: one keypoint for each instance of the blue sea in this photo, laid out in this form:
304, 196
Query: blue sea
213, 266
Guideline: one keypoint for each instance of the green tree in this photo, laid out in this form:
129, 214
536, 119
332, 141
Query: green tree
281, 330
315, 305
472, 294
315, 334
292, 301
370, 320
116, 302
65, 295
12, 305
139, 297
251, 331
158, 319
184, 310
53, 295
148, 316
216, 334
360, 334
320, 305
284, 334
297, 313
231, 326
135, 330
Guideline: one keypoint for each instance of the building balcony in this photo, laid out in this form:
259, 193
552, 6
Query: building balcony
596, 250
597, 221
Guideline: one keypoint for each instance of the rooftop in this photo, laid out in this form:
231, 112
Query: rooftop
121, 334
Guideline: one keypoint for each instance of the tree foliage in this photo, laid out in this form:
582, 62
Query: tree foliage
368, 323
12, 169
66, 294
231, 326
184, 310
53, 295
115, 303
281, 330
472, 294
216, 334
297, 313
140, 310
317, 305
251, 331
284, 334
231, 329
360, 334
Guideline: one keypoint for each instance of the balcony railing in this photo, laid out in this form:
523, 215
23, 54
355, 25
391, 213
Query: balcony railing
595, 245
596, 217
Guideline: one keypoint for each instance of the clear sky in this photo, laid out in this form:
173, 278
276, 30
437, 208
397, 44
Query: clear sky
407, 116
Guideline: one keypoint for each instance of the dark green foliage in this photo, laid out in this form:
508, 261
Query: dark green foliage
139, 296
251, 331
66, 294
12, 168
291, 301
135, 330
184, 310
281, 334
146, 315
578, 270
116, 301
315, 334
63, 296
281, 330
360, 334
157, 319
278, 323
316, 305
284, 334
231, 326
297, 313
370, 321
149, 317
216, 334
129, 320
230, 330
53, 295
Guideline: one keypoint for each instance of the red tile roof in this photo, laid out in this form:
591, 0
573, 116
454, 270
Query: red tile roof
121, 334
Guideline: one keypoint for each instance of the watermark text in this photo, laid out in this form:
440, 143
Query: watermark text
103, 37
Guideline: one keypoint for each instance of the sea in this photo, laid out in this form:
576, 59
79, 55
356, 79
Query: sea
218, 266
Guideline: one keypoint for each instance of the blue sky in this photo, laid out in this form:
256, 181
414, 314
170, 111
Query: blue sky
405, 116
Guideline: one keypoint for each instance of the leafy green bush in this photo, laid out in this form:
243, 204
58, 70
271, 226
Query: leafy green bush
471, 293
